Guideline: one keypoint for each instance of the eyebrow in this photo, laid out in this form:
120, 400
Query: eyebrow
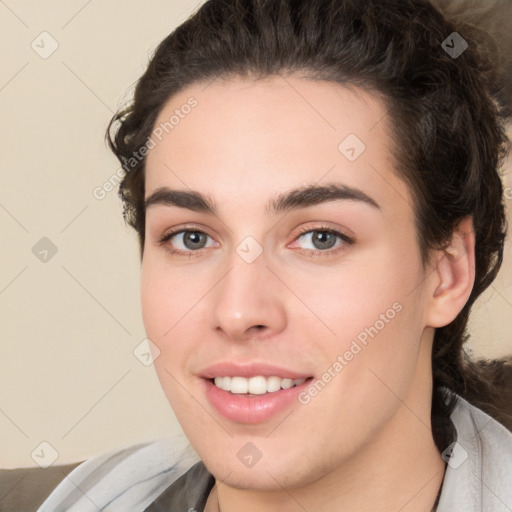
292, 200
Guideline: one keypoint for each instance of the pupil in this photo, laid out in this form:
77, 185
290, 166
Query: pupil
193, 238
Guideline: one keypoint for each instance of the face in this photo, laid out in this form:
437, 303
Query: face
260, 284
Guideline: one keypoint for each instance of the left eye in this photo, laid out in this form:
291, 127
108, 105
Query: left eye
322, 239
188, 240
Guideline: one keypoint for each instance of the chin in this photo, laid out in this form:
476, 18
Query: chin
260, 478
272, 472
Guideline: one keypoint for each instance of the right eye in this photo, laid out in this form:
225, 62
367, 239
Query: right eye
185, 241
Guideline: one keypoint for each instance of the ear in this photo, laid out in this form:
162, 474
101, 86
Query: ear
453, 276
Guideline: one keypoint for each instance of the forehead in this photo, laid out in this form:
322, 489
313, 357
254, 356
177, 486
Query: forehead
244, 139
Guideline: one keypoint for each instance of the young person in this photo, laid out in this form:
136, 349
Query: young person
315, 186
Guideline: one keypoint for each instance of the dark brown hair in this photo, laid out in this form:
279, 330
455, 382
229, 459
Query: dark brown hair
447, 128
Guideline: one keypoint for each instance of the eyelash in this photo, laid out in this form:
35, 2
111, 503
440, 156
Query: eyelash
322, 229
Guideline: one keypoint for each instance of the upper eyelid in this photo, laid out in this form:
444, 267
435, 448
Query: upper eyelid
345, 237
337, 231
200, 229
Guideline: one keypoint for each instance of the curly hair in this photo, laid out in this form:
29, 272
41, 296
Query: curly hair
447, 125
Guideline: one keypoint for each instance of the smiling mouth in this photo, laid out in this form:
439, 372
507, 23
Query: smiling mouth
254, 386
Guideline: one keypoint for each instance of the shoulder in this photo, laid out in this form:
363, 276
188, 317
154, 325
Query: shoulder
479, 463
127, 479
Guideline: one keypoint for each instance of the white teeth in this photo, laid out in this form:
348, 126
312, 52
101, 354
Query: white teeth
223, 383
226, 383
273, 384
239, 385
286, 383
258, 385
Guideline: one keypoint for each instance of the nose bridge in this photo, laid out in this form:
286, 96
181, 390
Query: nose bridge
248, 295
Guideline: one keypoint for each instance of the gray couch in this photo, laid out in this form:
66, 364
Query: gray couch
24, 489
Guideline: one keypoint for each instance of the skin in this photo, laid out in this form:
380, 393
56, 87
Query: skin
364, 442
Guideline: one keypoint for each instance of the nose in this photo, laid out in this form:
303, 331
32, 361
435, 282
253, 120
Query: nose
248, 302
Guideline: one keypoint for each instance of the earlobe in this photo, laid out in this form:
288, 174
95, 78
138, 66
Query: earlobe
453, 276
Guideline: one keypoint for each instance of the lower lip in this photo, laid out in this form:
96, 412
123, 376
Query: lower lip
251, 409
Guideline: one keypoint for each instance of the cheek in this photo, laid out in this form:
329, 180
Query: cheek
168, 296
175, 313
352, 298
167, 300
366, 319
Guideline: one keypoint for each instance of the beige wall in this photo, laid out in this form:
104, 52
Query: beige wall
68, 375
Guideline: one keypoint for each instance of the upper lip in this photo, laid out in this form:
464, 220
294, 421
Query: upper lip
250, 369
